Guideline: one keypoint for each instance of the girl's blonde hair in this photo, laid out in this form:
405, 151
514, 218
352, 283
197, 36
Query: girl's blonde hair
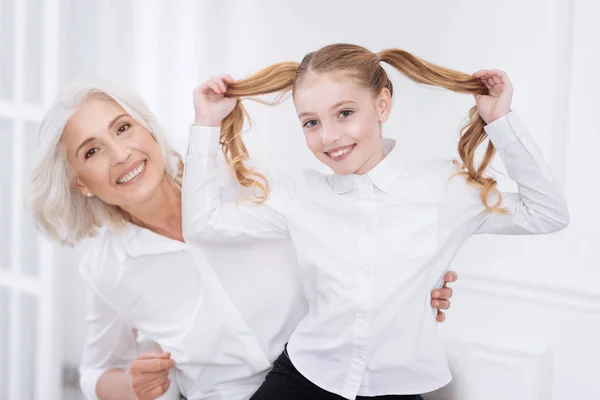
364, 66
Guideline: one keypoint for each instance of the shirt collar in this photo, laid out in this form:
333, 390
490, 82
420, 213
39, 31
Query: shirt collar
383, 175
137, 241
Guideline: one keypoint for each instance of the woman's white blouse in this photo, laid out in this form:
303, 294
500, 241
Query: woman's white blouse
223, 326
370, 248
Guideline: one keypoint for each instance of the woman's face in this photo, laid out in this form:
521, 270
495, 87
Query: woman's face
114, 157
341, 120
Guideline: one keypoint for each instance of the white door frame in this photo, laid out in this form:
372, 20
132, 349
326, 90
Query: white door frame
46, 368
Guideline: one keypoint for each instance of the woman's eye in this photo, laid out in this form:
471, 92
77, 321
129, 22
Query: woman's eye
345, 113
124, 127
90, 153
310, 123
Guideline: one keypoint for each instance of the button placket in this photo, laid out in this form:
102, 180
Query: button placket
362, 312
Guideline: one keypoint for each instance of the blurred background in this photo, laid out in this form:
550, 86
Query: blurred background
526, 315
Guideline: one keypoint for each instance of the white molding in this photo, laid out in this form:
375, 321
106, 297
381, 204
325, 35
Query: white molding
537, 357
507, 352
11, 83
19, 50
14, 335
564, 296
16, 189
14, 346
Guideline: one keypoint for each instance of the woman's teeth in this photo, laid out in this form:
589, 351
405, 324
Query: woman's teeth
133, 173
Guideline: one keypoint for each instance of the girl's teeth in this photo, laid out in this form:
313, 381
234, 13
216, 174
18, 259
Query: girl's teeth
340, 152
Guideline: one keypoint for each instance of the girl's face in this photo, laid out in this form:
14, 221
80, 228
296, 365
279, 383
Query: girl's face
342, 120
113, 155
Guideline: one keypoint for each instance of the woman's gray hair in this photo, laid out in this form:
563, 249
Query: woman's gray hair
57, 207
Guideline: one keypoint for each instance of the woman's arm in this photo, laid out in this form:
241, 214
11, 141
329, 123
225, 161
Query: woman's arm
114, 384
111, 368
109, 349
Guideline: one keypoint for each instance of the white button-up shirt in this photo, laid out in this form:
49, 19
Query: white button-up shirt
224, 326
370, 249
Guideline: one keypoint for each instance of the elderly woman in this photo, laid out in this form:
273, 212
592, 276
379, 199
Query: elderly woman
104, 169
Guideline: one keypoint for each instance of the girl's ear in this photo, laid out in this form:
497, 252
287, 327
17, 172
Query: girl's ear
384, 104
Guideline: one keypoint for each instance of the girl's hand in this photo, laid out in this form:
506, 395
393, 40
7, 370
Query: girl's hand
497, 104
210, 102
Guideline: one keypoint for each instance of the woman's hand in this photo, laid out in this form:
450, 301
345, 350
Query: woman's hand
210, 103
440, 298
149, 375
497, 104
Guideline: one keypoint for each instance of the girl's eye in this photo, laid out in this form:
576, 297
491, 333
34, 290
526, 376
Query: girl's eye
346, 113
124, 127
310, 123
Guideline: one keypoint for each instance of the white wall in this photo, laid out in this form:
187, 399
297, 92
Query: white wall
527, 308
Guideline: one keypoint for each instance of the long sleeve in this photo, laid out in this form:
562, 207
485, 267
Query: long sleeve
205, 217
539, 206
110, 343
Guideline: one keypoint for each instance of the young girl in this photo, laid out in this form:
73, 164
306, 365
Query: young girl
376, 235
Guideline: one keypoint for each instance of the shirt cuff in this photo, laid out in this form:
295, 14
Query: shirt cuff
506, 130
88, 381
204, 141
